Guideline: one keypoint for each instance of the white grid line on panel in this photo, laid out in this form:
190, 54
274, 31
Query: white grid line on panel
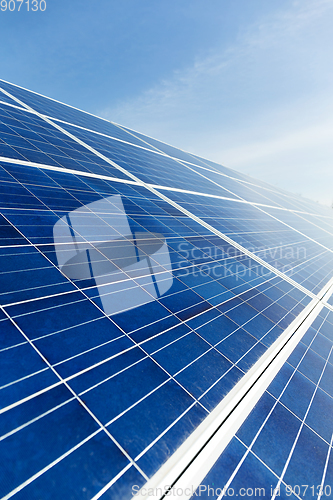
237, 180
114, 419
69, 378
148, 186
240, 247
132, 132
218, 260
152, 353
253, 203
96, 365
197, 219
301, 426
64, 293
166, 199
135, 183
159, 273
267, 467
62, 381
12, 105
167, 429
193, 475
102, 134
318, 218
277, 401
299, 418
259, 207
134, 345
159, 187
110, 483
301, 214
149, 446
32, 421
172, 424
12, 346
30, 397
155, 150
51, 99
160, 366
105, 360
3, 409
160, 152
48, 467
325, 469
64, 170
183, 268
249, 449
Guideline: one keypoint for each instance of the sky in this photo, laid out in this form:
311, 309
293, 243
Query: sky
247, 83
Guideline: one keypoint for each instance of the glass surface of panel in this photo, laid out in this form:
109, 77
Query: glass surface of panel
284, 446
120, 293
125, 322
306, 257
60, 111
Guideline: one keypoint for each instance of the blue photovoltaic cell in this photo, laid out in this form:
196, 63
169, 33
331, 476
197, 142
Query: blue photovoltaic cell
256, 192
295, 253
286, 199
170, 150
149, 166
5, 98
60, 111
125, 322
287, 438
27, 137
274, 193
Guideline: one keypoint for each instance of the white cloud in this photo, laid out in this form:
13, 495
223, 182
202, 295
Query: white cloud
261, 103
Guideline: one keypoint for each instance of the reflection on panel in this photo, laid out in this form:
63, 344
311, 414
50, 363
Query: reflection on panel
286, 441
124, 321
92, 243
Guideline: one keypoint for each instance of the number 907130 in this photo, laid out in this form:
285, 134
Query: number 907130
19, 5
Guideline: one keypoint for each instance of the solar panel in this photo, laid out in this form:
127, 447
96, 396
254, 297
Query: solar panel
284, 448
145, 292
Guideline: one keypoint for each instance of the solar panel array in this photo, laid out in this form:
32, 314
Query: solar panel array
139, 285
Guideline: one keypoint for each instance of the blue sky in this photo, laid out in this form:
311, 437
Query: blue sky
247, 83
